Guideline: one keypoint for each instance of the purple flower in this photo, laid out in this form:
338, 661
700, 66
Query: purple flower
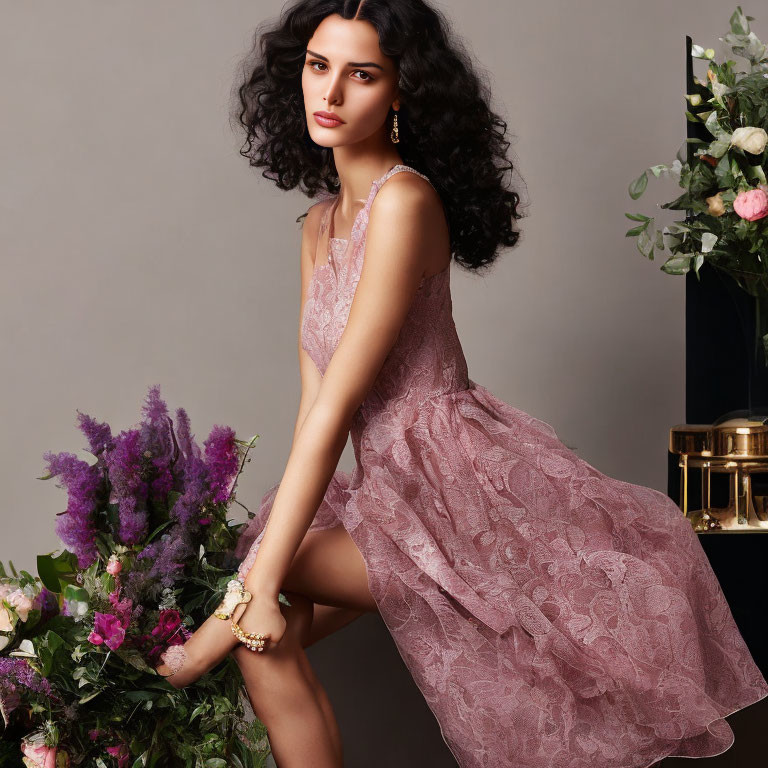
15, 672
166, 557
48, 604
221, 457
158, 442
99, 434
76, 526
187, 445
129, 490
196, 491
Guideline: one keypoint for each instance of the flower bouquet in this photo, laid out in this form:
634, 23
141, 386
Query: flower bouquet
149, 552
725, 195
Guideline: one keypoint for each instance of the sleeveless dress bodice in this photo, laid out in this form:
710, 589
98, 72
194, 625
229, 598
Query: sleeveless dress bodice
552, 616
426, 360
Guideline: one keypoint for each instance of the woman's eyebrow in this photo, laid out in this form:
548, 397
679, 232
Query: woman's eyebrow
349, 63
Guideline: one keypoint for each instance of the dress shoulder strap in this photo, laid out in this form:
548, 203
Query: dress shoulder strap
376, 186
396, 169
327, 204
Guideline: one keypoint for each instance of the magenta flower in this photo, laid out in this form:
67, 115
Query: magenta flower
169, 622
109, 629
120, 751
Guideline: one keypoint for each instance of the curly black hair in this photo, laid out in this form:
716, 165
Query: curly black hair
447, 128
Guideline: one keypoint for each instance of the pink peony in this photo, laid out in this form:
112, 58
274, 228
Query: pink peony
751, 205
38, 755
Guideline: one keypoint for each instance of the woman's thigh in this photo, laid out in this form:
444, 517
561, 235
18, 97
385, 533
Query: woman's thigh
329, 569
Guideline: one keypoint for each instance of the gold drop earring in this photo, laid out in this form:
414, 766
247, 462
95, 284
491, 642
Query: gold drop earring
394, 134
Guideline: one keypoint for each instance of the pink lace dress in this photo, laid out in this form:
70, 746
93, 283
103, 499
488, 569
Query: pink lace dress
552, 616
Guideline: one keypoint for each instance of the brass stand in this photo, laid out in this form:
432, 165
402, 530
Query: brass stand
737, 447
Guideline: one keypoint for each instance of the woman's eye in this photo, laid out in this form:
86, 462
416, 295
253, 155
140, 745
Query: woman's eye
367, 77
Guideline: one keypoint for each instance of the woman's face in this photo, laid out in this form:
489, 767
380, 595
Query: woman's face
346, 74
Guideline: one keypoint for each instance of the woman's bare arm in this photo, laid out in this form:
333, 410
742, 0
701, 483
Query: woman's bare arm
310, 376
402, 217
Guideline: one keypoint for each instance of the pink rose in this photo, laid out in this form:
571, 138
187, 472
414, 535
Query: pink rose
114, 566
170, 619
21, 603
751, 205
38, 755
95, 638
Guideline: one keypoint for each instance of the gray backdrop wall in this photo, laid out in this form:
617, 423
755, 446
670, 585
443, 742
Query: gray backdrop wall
138, 247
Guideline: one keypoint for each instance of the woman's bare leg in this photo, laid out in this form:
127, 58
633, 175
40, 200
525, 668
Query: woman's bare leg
327, 619
327, 568
209, 644
288, 698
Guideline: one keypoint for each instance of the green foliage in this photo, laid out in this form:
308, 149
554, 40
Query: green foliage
720, 171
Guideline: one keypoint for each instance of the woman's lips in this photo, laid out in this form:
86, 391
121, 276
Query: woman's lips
326, 122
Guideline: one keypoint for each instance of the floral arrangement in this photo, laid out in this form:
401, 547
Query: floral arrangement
149, 552
725, 186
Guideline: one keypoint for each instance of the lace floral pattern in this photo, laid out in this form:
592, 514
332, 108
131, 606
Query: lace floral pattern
552, 616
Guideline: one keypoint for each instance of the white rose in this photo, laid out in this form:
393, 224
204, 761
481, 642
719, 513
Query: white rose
750, 139
6, 625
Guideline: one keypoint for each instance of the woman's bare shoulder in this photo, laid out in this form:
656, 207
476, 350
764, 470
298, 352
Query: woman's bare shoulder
314, 216
311, 230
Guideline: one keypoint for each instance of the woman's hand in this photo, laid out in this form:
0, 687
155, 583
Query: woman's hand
262, 614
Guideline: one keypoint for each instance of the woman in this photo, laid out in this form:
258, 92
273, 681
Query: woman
550, 615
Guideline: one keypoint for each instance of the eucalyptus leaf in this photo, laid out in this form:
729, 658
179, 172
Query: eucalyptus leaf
90, 696
637, 187
677, 265
645, 244
708, 241
636, 230
718, 147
